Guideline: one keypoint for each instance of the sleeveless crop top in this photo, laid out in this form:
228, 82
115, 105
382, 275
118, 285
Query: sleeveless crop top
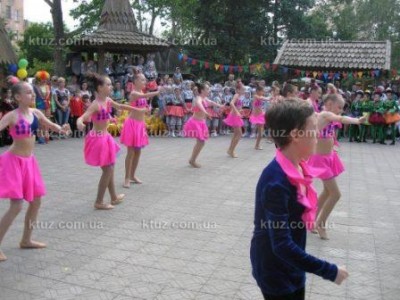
239, 102
197, 109
140, 103
315, 105
104, 114
22, 129
328, 131
258, 103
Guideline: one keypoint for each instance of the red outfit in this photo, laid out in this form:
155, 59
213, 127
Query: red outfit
76, 106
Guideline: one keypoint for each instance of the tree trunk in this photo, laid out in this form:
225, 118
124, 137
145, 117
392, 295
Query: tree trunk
275, 25
153, 19
59, 37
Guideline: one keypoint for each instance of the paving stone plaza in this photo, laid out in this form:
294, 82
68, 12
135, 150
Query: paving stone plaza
185, 233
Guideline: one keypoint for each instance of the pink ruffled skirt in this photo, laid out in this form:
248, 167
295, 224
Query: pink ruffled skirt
234, 120
100, 149
330, 165
134, 133
20, 177
196, 129
257, 120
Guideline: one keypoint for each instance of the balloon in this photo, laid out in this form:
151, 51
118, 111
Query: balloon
13, 68
23, 63
22, 74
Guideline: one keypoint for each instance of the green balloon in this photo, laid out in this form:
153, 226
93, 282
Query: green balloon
23, 63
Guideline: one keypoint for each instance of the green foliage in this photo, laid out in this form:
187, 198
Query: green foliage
88, 13
245, 32
40, 65
38, 42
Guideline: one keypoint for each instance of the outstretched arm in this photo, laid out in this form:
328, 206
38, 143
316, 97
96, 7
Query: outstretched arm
65, 129
134, 95
331, 117
120, 106
214, 103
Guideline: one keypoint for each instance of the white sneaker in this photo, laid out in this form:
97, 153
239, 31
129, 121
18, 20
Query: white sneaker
214, 134
252, 136
173, 135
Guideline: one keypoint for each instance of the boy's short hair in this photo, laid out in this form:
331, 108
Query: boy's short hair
85, 97
285, 116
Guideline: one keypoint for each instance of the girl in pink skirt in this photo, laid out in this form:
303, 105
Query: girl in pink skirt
327, 160
20, 177
196, 126
257, 117
100, 147
234, 119
134, 135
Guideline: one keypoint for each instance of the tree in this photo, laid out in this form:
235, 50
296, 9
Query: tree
37, 42
59, 35
88, 13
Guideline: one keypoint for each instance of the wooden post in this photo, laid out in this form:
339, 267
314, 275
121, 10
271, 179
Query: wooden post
101, 63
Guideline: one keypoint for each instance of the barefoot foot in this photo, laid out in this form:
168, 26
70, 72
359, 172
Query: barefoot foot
118, 200
194, 164
103, 206
2, 256
136, 180
258, 148
127, 184
32, 245
232, 154
322, 233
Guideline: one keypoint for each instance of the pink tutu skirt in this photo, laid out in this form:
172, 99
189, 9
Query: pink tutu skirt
100, 149
196, 129
134, 134
257, 120
234, 120
20, 177
330, 165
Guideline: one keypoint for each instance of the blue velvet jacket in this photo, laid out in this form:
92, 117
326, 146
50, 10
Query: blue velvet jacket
277, 253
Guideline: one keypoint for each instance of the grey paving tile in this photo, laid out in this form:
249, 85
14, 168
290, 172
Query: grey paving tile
122, 259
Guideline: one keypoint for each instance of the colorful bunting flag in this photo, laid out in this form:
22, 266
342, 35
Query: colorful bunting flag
259, 67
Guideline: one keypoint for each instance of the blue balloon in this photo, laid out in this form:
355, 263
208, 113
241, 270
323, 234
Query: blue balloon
13, 68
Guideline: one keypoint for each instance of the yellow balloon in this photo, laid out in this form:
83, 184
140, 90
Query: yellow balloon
22, 74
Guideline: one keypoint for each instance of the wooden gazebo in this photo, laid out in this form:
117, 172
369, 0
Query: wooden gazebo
118, 33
